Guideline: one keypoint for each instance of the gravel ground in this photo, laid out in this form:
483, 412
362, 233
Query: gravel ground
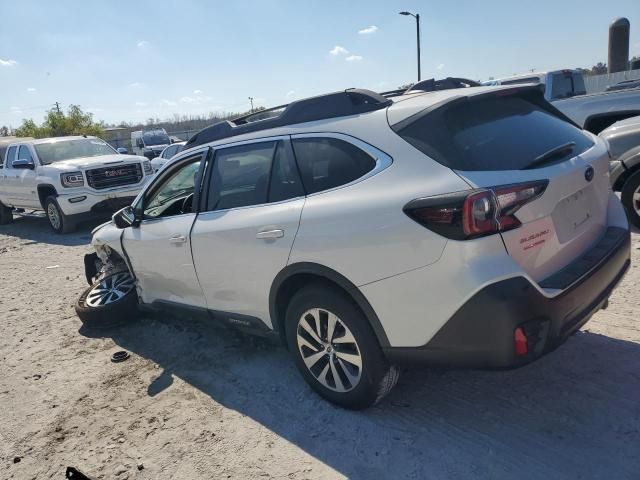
196, 401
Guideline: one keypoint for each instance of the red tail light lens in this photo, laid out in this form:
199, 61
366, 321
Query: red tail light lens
520, 342
465, 215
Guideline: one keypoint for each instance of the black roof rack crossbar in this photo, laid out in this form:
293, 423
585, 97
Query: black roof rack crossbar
352, 101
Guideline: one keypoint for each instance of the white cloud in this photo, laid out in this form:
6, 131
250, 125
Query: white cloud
143, 44
7, 63
198, 100
168, 103
353, 58
197, 92
141, 104
31, 90
338, 50
440, 67
368, 30
16, 110
291, 94
136, 85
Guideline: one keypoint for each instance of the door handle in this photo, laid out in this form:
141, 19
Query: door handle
266, 234
178, 239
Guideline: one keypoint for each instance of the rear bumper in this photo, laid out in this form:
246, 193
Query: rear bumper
481, 332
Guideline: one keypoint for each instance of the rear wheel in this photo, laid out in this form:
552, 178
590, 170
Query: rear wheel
58, 221
335, 349
109, 302
631, 198
6, 215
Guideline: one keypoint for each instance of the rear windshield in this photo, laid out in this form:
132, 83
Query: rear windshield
492, 133
565, 85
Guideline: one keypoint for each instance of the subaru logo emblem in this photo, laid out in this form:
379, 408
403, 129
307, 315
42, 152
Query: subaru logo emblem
588, 174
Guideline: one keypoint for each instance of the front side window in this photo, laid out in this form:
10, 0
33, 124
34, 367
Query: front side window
11, 154
175, 195
327, 163
24, 153
60, 150
240, 176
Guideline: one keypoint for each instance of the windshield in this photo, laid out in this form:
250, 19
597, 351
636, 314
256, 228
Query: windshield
155, 137
60, 150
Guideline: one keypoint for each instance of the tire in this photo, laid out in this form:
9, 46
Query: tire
357, 388
631, 198
6, 215
58, 221
108, 303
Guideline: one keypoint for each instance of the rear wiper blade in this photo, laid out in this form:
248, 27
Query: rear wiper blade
554, 153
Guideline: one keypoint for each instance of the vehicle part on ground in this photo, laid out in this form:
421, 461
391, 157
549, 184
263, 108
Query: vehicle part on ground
335, 348
120, 356
58, 221
110, 302
73, 473
6, 215
631, 198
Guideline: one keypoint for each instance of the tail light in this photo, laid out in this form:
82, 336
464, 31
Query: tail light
475, 213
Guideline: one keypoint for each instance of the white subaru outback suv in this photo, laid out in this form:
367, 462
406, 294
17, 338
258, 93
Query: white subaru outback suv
471, 227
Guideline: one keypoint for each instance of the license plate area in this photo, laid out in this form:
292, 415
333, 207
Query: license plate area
572, 215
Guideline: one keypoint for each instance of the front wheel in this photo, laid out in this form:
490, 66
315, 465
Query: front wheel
631, 198
335, 349
58, 221
109, 302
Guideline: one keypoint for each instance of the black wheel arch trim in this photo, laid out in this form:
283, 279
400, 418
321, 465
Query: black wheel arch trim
629, 163
331, 275
48, 187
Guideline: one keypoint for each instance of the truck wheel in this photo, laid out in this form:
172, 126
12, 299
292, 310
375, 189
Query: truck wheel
631, 198
6, 215
58, 221
335, 349
108, 303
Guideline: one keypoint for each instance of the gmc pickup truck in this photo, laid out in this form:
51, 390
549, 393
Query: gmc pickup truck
566, 90
71, 179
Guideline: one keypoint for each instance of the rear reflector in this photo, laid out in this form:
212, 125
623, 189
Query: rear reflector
475, 213
520, 342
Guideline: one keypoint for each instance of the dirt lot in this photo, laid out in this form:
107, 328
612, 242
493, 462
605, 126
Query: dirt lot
196, 401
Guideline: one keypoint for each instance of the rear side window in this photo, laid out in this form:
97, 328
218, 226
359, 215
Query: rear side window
565, 85
11, 154
491, 133
327, 163
285, 181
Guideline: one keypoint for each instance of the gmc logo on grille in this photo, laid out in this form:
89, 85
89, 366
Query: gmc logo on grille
114, 173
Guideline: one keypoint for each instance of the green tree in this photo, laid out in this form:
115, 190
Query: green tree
59, 124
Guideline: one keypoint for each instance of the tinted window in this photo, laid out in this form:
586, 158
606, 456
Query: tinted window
328, 162
24, 153
285, 181
566, 85
240, 176
11, 153
495, 133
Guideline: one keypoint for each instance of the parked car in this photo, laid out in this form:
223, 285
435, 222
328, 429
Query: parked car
470, 227
624, 147
166, 154
149, 143
624, 85
566, 89
70, 178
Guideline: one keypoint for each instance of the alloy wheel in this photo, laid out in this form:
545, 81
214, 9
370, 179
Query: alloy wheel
635, 200
329, 350
110, 289
54, 216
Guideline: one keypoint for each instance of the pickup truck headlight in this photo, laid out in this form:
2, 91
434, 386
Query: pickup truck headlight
148, 169
72, 179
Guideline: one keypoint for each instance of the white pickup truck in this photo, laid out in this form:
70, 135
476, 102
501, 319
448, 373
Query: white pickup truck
566, 90
71, 179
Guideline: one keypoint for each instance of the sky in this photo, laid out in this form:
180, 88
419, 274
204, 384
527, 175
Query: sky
132, 60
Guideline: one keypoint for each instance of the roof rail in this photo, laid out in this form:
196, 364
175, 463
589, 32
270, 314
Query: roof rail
352, 101
448, 83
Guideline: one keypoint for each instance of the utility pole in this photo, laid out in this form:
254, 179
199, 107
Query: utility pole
251, 100
58, 107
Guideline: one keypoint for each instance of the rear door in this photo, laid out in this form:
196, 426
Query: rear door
9, 177
509, 138
243, 236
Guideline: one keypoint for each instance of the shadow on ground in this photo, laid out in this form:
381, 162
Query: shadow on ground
572, 414
37, 230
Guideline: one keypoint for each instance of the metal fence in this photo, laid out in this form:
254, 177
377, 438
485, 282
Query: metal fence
599, 83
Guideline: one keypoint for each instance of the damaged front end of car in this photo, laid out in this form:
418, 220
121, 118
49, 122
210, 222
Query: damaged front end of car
109, 257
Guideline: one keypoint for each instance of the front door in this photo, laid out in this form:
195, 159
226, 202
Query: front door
244, 236
159, 248
25, 181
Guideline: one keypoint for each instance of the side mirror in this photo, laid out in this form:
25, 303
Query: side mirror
24, 164
124, 218
122, 151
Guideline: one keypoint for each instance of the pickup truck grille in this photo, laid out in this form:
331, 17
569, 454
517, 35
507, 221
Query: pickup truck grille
108, 177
